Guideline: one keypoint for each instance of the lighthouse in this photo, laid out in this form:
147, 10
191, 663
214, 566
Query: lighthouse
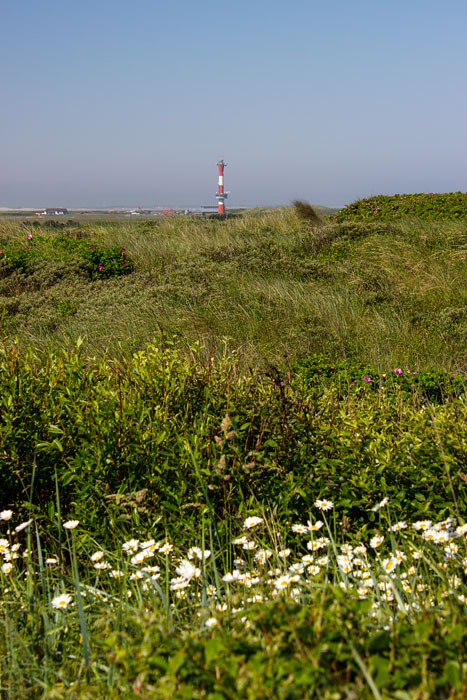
221, 195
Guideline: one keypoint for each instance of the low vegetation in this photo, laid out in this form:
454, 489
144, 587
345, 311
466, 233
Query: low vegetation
273, 287
426, 207
233, 459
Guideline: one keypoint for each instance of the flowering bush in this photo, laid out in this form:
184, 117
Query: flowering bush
450, 205
98, 261
14, 259
104, 263
434, 385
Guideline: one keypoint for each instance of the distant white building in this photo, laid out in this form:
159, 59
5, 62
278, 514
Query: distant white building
55, 211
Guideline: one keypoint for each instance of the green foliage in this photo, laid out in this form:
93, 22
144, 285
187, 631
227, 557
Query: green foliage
296, 652
433, 385
171, 439
14, 260
267, 285
99, 262
428, 207
329, 648
323, 374
187, 435
107, 262
64, 307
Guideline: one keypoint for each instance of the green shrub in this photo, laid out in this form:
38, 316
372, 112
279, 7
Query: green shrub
433, 385
107, 262
99, 262
106, 430
429, 207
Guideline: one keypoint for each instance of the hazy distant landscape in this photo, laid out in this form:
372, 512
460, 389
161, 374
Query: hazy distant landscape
93, 213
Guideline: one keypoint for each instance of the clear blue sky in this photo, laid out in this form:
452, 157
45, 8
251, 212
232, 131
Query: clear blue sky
132, 102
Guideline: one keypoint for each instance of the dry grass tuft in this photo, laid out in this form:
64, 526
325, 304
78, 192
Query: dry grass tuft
306, 212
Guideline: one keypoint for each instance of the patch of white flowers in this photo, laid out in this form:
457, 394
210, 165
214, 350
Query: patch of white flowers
385, 568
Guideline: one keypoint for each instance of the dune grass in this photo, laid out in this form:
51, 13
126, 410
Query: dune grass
275, 286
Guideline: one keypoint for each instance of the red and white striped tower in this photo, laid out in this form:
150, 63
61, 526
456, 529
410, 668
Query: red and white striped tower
221, 195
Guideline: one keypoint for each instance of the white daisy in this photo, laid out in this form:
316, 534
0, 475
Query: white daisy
61, 601
252, 521
198, 553
324, 504
115, 573
380, 505
282, 582
389, 565
313, 570
313, 527
130, 546
422, 525
23, 525
263, 555
102, 565
187, 570
71, 524
97, 556
235, 575
240, 540
166, 548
